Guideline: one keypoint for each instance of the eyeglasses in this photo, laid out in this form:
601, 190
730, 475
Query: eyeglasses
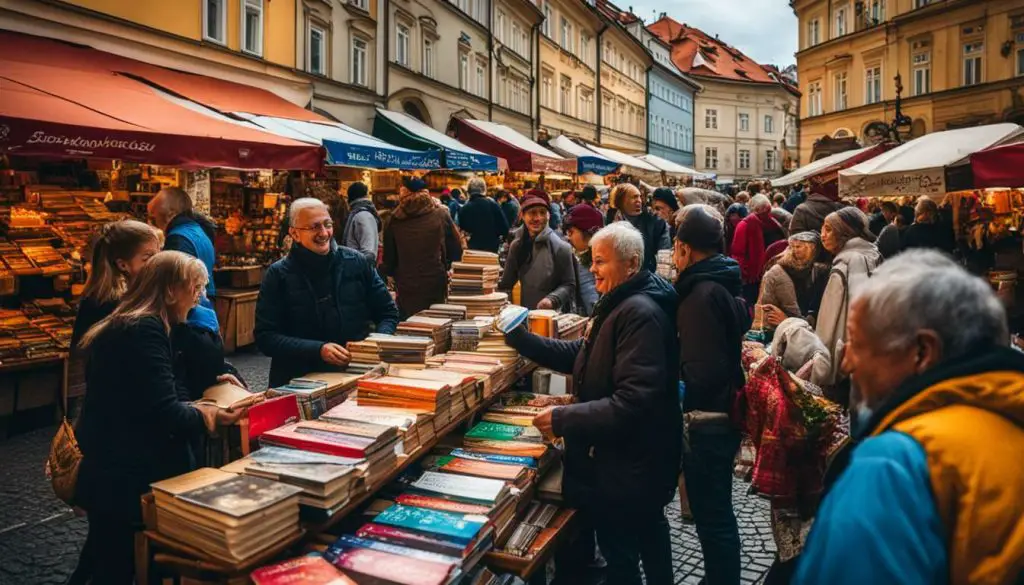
326, 226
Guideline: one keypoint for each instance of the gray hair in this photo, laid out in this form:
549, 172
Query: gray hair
924, 289
625, 239
476, 185
303, 203
759, 203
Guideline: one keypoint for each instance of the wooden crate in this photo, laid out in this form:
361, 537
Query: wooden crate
236, 311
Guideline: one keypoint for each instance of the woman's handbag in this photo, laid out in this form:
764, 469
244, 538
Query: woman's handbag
62, 464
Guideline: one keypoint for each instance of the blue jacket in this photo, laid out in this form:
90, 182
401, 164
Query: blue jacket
193, 235
289, 327
485, 222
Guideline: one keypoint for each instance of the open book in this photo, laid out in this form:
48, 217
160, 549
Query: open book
230, 397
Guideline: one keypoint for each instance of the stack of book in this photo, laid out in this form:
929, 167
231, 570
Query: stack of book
490, 370
311, 396
467, 334
327, 481
493, 344
466, 389
365, 355
403, 349
442, 460
438, 329
570, 326
415, 425
392, 391
480, 258
372, 447
445, 311
525, 535
519, 408
474, 279
231, 518
505, 439
481, 305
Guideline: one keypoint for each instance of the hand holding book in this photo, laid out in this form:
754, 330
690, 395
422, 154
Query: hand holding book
215, 416
510, 317
543, 423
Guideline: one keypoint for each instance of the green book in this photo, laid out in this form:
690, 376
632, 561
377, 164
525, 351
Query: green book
492, 431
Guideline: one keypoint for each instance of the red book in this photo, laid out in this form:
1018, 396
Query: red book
318, 437
388, 568
392, 535
442, 504
301, 571
271, 414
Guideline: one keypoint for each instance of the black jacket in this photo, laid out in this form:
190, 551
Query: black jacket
656, 236
289, 320
936, 236
133, 429
712, 320
483, 219
623, 437
877, 223
89, 313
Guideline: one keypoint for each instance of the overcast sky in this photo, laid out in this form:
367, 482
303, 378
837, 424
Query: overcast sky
765, 30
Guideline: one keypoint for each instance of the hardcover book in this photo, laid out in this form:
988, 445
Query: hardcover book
495, 458
433, 503
351, 541
462, 527
320, 437
387, 568
241, 495
492, 431
461, 487
424, 541
309, 570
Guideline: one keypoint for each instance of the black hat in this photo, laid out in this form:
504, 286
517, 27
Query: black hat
700, 228
666, 196
357, 190
589, 193
415, 184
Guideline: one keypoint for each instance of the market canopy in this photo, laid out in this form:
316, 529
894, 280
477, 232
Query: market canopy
404, 130
1000, 166
522, 154
920, 166
672, 168
349, 147
51, 110
631, 164
587, 161
831, 163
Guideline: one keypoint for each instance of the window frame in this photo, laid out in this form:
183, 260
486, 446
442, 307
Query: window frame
322, 31
877, 80
354, 75
427, 58
976, 56
744, 121
814, 32
464, 70
222, 19
842, 21
257, 5
403, 45
841, 91
545, 26
741, 163
710, 118
769, 161
925, 67
769, 124
481, 79
711, 157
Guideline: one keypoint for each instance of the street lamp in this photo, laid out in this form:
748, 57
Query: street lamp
901, 125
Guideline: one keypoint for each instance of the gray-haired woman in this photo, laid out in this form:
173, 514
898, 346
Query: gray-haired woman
794, 285
846, 236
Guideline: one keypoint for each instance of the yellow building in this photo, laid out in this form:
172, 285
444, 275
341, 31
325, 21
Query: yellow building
961, 63
568, 70
246, 41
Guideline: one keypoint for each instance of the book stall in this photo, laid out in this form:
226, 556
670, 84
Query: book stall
419, 464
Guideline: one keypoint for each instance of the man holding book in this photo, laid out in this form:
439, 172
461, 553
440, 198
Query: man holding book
318, 298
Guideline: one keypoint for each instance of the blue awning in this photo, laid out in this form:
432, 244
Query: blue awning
404, 130
587, 161
349, 147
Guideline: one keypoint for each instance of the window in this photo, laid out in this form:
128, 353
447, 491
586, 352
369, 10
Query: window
922, 73
711, 119
585, 48
921, 3
402, 45
545, 26
710, 157
841, 24
358, 61
769, 160
546, 91
744, 159
840, 91
568, 42
813, 32
609, 53
972, 62
814, 99
873, 85
481, 80
215, 14
428, 58
317, 50
480, 11
565, 96
877, 11
515, 40
586, 112
361, 4
499, 26
463, 71
769, 124
744, 122
252, 27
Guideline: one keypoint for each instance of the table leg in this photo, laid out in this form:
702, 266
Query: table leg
142, 558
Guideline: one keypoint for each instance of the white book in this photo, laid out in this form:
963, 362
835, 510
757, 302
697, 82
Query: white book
461, 486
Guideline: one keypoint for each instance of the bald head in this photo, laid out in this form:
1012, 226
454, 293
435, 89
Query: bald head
169, 203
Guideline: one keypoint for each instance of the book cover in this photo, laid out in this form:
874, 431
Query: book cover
423, 541
352, 541
312, 473
272, 413
228, 396
318, 436
517, 448
482, 468
241, 495
493, 431
432, 503
390, 568
283, 455
477, 489
309, 570
495, 458
464, 527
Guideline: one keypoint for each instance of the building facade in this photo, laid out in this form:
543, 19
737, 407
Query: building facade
568, 90
959, 62
622, 71
743, 116
516, 28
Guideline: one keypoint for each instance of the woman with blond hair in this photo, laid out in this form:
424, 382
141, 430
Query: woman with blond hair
629, 203
134, 430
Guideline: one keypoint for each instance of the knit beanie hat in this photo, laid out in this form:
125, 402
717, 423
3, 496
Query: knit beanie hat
666, 196
700, 226
535, 198
584, 218
848, 223
357, 190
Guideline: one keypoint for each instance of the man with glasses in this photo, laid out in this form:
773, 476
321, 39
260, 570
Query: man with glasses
318, 298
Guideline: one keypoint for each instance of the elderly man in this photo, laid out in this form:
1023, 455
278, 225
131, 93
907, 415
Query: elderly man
318, 298
934, 489
185, 231
623, 437
481, 217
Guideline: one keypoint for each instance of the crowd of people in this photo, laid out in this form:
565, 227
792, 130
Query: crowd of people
787, 322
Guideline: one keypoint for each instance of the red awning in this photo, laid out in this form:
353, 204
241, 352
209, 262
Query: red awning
51, 109
1001, 166
522, 154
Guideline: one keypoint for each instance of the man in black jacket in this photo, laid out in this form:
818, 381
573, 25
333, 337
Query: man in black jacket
318, 298
623, 436
712, 319
482, 219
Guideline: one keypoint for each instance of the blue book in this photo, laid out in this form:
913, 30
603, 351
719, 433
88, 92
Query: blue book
462, 527
349, 540
506, 459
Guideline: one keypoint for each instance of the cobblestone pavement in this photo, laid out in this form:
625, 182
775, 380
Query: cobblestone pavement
40, 537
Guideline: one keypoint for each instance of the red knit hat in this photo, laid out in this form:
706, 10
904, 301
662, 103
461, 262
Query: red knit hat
584, 218
535, 198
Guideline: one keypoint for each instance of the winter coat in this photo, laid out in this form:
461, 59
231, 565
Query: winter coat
193, 234
936, 494
511, 210
623, 437
548, 271
289, 315
712, 319
810, 215
877, 223
784, 218
748, 245
796, 344
198, 353
420, 243
856, 261
362, 229
555, 221
888, 241
794, 201
586, 285
794, 299
483, 219
134, 430
656, 235
936, 236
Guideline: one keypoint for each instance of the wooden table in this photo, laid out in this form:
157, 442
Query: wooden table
236, 311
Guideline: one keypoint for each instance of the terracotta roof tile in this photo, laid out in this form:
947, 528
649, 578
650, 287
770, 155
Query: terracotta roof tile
701, 55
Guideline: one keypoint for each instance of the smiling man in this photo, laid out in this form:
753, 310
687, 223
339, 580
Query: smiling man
318, 298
